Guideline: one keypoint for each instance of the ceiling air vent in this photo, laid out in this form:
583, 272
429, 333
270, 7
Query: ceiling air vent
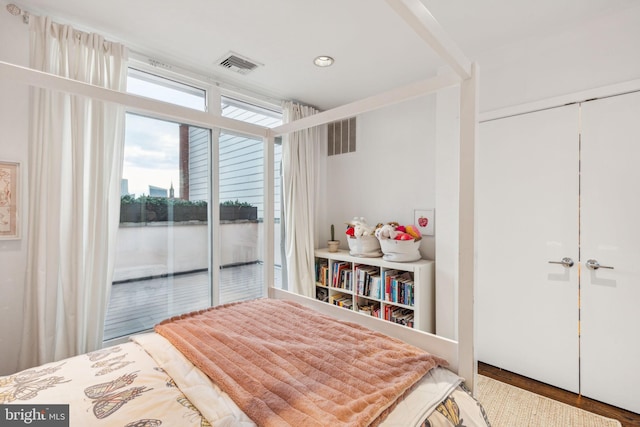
237, 63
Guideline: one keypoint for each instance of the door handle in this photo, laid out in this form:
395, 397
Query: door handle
566, 261
594, 265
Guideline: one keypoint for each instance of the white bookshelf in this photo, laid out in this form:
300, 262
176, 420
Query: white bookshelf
416, 297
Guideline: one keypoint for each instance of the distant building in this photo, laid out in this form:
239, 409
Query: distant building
157, 191
124, 187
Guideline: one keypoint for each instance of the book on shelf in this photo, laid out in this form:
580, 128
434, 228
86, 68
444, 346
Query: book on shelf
402, 316
341, 300
387, 277
345, 282
364, 278
399, 287
322, 272
376, 311
322, 294
365, 309
375, 287
338, 276
371, 309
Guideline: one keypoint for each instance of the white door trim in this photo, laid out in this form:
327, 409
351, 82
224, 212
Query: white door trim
572, 98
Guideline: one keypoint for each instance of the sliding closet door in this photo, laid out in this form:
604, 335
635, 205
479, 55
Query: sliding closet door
610, 235
527, 308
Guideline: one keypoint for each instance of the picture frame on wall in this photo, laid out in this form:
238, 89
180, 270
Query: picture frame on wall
424, 219
10, 188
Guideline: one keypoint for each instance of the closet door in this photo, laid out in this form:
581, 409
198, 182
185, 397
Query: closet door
527, 216
610, 235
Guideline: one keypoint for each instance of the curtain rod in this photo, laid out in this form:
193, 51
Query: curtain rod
16, 11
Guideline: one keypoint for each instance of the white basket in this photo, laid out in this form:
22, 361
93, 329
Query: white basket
364, 246
400, 250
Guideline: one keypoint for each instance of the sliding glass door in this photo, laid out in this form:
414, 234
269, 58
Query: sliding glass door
241, 183
241, 193
167, 242
162, 260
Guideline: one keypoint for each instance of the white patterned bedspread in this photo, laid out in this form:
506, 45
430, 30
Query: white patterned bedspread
116, 386
149, 383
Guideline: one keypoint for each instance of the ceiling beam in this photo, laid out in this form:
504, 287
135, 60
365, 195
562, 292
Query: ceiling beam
371, 103
133, 103
418, 17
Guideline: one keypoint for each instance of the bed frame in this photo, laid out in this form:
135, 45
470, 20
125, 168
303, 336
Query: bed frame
461, 354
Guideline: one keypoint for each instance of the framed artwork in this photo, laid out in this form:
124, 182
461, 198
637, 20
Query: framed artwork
10, 182
424, 219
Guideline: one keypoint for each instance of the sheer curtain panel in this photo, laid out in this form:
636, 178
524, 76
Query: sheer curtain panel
75, 162
300, 153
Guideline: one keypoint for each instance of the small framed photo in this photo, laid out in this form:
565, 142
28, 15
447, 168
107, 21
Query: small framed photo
10, 182
425, 220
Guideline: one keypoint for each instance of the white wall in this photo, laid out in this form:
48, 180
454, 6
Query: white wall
601, 53
390, 174
13, 146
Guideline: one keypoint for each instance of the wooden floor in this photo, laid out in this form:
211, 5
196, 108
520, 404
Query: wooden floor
138, 305
626, 418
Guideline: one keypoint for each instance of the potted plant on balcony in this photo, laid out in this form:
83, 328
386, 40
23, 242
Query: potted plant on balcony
157, 209
185, 210
236, 210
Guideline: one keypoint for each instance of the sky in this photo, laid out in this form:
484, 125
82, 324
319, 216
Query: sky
150, 154
151, 145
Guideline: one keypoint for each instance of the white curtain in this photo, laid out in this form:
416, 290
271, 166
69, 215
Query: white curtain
300, 153
75, 162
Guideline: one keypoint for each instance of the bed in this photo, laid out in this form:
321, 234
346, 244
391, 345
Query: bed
160, 379
264, 362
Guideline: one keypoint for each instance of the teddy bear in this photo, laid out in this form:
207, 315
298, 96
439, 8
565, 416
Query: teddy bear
360, 227
387, 231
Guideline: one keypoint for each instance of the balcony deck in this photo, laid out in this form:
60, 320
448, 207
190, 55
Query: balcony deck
138, 305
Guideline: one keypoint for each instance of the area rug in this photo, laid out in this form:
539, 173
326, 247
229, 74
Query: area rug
509, 406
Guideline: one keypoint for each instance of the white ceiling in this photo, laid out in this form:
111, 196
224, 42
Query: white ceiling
373, 48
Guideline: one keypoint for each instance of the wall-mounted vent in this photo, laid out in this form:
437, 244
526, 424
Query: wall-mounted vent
158, 64
238, 63
341, 136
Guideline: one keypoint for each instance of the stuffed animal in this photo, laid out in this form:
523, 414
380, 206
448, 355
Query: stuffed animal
387, 231
413, 231
358, 227
361, 228
403, 236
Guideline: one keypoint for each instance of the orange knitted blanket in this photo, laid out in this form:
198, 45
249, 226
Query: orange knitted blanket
284, 364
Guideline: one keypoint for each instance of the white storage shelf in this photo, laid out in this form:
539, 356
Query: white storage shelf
348, 289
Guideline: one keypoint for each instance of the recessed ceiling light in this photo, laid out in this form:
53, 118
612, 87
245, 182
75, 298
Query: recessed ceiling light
323, 61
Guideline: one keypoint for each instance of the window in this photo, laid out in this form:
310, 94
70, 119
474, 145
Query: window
162, 266
162, 262
241, 186
162, 89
